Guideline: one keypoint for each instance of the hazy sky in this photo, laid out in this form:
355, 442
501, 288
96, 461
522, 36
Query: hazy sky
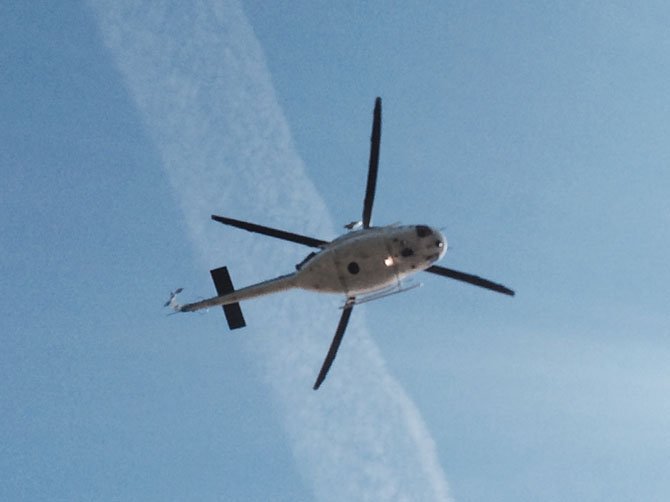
535, 135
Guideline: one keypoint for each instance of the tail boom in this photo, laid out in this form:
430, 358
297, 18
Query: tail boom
281, 283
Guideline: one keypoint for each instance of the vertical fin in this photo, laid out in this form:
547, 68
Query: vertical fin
224, 285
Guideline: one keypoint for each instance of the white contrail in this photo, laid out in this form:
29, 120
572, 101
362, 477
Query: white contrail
200, 82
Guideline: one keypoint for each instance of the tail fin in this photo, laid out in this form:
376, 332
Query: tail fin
224, 285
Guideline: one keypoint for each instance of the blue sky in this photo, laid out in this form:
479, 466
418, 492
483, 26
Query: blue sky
536, 135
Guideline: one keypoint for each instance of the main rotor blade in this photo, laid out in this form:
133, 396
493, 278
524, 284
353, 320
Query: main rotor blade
375, 139
272, 232
470, 279
335, 344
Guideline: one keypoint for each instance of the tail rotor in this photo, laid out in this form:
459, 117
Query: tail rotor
172, 301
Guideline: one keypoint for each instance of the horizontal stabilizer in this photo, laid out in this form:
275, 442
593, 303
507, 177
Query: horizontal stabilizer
224, 285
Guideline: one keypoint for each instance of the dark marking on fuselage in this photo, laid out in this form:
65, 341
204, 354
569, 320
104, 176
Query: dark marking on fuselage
423, 231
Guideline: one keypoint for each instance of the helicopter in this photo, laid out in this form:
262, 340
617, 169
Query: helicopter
366, 263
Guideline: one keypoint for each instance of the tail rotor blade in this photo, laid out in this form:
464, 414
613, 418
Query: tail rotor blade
375, 140
335, 344
470, 279
172, 300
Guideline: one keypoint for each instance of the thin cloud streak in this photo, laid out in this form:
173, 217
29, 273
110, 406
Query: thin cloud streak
201, 85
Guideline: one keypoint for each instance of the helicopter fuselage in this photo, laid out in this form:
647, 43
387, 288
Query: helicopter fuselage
371, 259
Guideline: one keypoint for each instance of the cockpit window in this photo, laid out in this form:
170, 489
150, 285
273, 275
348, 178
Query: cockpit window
423, 231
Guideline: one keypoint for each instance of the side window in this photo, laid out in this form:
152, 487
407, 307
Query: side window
423, 231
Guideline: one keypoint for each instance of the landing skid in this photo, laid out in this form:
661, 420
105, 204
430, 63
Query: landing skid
383, 293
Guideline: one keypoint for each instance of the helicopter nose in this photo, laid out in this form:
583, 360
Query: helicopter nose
440, 242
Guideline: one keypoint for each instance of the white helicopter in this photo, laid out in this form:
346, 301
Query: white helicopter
364, 264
